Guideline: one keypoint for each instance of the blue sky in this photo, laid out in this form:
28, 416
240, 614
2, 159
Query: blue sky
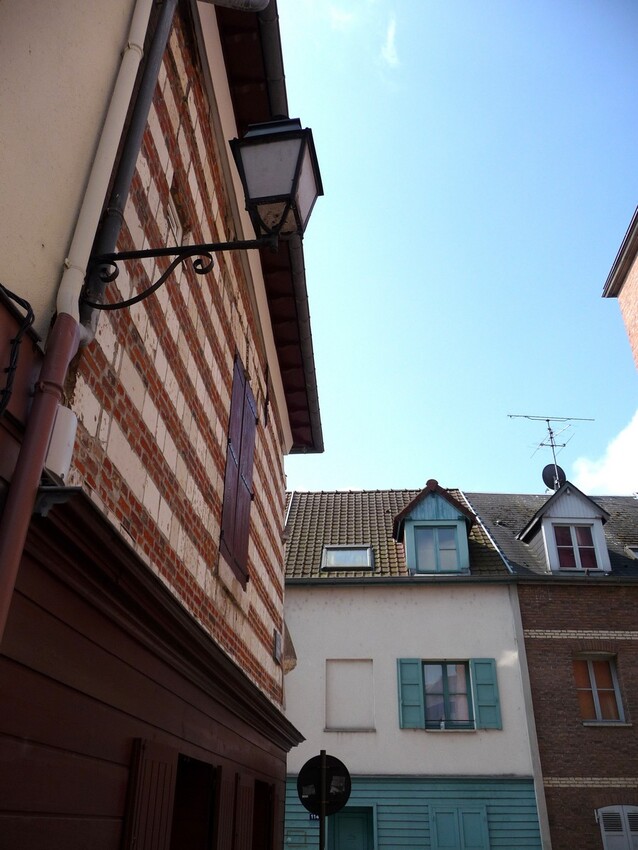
479, 167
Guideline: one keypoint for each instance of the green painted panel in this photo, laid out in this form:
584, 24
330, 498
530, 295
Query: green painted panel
434, 507
403, 807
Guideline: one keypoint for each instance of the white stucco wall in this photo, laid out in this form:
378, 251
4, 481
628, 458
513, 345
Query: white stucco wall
58, 62
389, 622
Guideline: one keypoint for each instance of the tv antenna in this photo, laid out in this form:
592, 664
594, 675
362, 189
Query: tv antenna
553, 476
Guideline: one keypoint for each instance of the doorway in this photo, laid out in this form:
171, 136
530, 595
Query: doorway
351, 829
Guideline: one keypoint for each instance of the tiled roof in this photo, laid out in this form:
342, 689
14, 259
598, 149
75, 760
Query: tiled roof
505, 515
365, 518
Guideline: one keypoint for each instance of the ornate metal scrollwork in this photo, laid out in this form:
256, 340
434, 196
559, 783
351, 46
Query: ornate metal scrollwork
108, 265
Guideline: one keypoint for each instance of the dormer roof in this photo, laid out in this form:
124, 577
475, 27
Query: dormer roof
567, 489
508, 517
431, 489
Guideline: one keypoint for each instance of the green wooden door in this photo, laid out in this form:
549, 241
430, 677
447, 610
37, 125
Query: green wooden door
350, 829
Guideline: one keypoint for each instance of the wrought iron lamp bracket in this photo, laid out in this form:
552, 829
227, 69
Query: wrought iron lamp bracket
108, 267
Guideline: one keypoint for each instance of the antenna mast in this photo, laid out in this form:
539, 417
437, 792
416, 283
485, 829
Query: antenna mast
558, 477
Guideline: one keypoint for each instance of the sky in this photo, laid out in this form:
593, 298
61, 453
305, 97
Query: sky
478, 160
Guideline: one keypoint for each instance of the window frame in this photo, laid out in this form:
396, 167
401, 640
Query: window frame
603, 564
575, 545
346, 547
447, 722
412, 527
594, 689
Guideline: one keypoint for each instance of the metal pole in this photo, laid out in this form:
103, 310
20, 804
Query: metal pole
322, 806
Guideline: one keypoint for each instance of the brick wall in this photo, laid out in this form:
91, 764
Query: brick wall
628, 300
584, 767
152, 392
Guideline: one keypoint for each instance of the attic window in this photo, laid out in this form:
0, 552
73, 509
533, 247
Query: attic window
347, 558
632, 550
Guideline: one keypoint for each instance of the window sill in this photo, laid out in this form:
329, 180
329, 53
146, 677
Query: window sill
347, 729
622, 723
450, 729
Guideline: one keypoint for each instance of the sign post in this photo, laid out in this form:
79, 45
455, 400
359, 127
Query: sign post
323, 786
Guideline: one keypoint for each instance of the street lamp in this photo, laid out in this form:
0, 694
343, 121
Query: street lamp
278, 168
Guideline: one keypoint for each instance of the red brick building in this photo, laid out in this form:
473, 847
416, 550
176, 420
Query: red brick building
576, 571
141, 556
622, 283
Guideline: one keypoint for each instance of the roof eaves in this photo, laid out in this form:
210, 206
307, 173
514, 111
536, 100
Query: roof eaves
624, 260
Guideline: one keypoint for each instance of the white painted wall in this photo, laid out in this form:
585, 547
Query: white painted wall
58, 62
389, 622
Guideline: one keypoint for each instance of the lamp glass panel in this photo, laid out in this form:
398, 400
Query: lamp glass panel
306, 188
270, 167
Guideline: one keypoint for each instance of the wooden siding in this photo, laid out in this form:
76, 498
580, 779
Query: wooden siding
402, 809
434, 507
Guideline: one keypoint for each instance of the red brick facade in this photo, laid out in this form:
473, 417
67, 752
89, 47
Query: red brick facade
153, 391
141, 683
628, 299
585, 766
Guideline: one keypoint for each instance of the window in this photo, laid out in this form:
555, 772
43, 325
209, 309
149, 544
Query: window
347, 558
448, 702
349, 694
575, 546
448, 694
171, 796
597, 688
619, 827
239, 475
436, 548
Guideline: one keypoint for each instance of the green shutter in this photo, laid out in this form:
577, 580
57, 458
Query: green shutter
411, 696
487, 710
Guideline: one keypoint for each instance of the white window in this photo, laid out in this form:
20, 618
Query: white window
575, 547
619, 827
347, 558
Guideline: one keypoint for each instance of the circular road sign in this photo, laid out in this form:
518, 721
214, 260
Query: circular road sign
338, 785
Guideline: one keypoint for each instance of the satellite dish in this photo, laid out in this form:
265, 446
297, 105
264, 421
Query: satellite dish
553, 476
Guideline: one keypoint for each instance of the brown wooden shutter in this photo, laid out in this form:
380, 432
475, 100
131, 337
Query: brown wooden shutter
226, 809
239, 474
243, 813
151, 795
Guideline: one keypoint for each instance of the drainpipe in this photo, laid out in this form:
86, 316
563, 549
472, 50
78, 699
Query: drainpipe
67, 333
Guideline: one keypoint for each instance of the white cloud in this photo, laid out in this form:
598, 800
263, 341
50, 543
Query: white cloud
389, 50
340, 19
616, 472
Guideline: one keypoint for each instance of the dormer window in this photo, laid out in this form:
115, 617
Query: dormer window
575, 547
434, 529
569, 528
340, 557
436, 548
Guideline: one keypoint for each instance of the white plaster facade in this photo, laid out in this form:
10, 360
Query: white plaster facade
380, 624
44, 167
